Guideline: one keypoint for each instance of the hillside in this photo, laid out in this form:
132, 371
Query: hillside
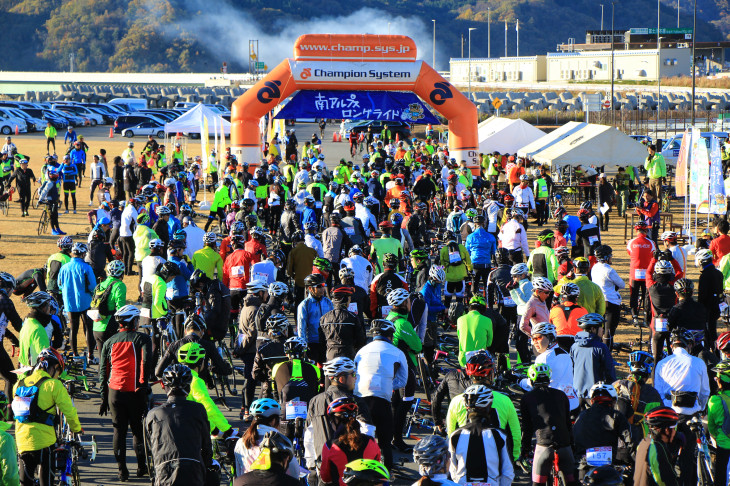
199, 35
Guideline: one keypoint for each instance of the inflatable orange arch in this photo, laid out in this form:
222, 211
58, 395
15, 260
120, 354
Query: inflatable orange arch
355, 62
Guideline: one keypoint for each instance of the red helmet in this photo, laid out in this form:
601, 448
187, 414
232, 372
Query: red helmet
386, 224
349, 205
583, 212
508, 197
723, 341
480, 364
345, 406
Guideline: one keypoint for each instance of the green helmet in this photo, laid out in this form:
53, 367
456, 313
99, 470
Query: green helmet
323, 264
539, 374
471, 213
419, 254
364, 472
190, 353
722, 369
478, 300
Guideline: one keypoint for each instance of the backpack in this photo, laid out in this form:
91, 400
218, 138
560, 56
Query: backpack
25, 404
101, 298
297, 387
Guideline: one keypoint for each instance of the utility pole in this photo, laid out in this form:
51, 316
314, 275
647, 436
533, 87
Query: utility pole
601, 16
434, 43
694, 68
613, 111
462, 46
517, 29
505, 38
489, 32
677, 13
470, 29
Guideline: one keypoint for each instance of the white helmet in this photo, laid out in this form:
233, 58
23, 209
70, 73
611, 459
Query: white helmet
702, 256
339, 366
397, 296
545, 329
257, 286
157, 243
604, 389
169, 181
278, 289
663, 267
115, 268
519, 269
162, 210
542, 283
7, 280
478, 396
346, 273
437, 273
126, 314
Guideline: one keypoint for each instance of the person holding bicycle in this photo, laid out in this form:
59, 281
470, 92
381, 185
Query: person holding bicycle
381, 369
37, 399
192, 355
599, 427
154, 309
431, 455
126, 365
718, 422
636, 397
545, 413
592, 360
270, 352
457, 262
656, 455
296, 378
216, 302
178, 433
490, 463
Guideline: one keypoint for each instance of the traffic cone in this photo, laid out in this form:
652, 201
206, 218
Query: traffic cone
16, 130
334, 137
339, 137
179, 134
397, 138
111, 132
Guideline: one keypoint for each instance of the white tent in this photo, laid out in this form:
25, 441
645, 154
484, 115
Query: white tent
587, 144
192, 121
505, 135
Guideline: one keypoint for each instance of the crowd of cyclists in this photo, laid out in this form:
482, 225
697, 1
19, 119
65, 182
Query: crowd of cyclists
338, 288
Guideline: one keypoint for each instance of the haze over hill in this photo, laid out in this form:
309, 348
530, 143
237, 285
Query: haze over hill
199, 35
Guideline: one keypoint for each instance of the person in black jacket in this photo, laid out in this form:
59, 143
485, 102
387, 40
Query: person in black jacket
281, 452
126, 365
22, 177
359, 302
216, 298
454, 383
497, 293
341, 329
178, 433
709, 291
607, 196
100, 252
421, 267
195, 331
288, 225
270, 352
662, 299
131, 182
687, 313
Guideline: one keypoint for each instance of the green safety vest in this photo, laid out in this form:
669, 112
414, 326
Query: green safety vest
542, 188
7, 167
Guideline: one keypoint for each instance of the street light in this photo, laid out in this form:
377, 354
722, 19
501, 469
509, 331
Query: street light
677, 13
694, 29
658, 81
388, 28
613, 111
434, 42
601, 16
489, 32
470, 29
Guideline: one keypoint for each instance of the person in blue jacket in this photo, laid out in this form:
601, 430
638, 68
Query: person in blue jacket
573, 223
173, 223
481, 246
592, 361
431, 292
308, 213
78, 158
309, 313
77, 281
177, 288
69, 173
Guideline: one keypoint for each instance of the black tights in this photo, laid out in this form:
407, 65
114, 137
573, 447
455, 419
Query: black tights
127, 409
65, 199
29, 461
6, 371
76, 318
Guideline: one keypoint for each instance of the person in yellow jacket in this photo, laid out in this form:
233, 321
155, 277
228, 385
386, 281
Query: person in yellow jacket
142, 236
457, 262
221, 199
33, 337
35, 434
50, 134
591, 295
656, 169
192, 354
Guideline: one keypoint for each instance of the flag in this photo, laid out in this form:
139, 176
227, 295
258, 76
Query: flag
204, 155
215, 134
680, 180
717, 183
206, 136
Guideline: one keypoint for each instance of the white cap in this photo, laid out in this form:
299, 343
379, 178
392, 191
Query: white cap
602, 176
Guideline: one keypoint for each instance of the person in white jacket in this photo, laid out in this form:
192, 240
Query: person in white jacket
514, 237
361, 266
524, 197
495, 468
606, 277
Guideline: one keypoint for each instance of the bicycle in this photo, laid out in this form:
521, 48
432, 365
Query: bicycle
705, 476
35, 199
221, 383
416, 417
5, 201
70, 446
44, 221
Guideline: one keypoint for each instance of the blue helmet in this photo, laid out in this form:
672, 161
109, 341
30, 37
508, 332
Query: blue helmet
640, 362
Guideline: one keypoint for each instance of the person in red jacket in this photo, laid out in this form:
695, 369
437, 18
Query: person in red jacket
238, 228
720, 246
256, 245
237, 270
659, 255
349, 443
640, 251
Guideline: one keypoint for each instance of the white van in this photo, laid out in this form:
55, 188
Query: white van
670, 148
133, 103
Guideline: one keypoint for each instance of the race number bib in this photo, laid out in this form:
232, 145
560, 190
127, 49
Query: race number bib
723, 308
482, 483
296, 409
454, 257
238, 271
385, 310
263, 277
661, 324
318, 204
508, 302
569, 391
352, 307
144, 312
640, 274
350, 231
92, 313
592, 240
599, 456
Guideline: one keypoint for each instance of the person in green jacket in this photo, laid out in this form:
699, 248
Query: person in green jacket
386, 244
33, 337
50, 134
207, 259
480, 369
718, 421
341, 173
221, 199
456, 261
542, 261
142, 236
474, 329
192, 354
656, 169
622, 189
591, 296
117, 300
8, 452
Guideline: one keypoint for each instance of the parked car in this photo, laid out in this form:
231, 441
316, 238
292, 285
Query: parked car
162, 114
47, 115
670, 148
34, 124
92, 117
9, 122
154, 128
128, 121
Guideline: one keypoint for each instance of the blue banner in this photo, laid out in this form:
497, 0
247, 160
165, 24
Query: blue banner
717, 183
358, 105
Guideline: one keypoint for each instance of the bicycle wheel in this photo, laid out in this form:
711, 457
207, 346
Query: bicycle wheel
34, 200
5, 207
43, 223
704, 470
75, 474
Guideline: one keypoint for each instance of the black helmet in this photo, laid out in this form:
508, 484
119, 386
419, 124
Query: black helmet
681, 335
684, 286
295, 347
603, 253
390, 260
603, 476
194, 322
313, 280
279, 445
503, 255
297, 236
382, 327
177, 377
290, 204
198, 277
36, 300
167, 270
479, 219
